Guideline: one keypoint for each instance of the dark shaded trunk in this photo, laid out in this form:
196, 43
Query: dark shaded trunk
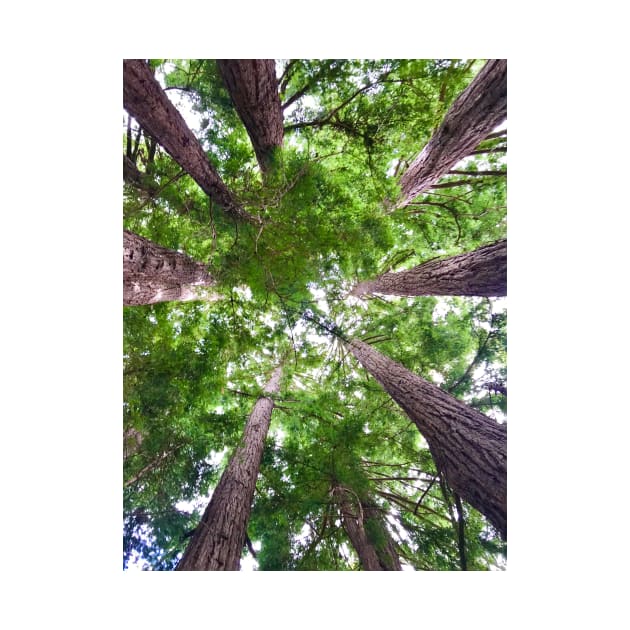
366, 532
475, 113
482, 272
253, 88
221, 535
145, 100
152, 273
133, 176
469, 448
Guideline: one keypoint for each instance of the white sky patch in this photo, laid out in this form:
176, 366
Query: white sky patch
440, 310
320, 296
243, 291
278, 435
437, 378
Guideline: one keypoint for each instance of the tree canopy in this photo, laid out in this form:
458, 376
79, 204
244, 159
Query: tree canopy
305, 214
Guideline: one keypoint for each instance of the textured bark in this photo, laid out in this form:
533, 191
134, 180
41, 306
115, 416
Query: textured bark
253, 88
474, 114
220, 537
482, 272
354, 515
152, 273
145, 100
469, 448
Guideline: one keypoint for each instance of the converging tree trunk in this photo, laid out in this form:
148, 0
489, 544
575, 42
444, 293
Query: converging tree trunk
482, 272
474, 114
145, 100
253, 88
362, 525
152, 273
220, 537
469, 448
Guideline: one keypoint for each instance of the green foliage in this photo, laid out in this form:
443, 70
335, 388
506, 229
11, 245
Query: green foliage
193, 370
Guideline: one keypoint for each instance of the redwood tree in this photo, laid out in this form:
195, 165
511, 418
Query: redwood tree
152, 273
220, 537
474, 114
253, 88
469, 448
360, 520
482, 272
145, 100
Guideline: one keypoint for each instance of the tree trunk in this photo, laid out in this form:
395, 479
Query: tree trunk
475, 113
152, 273
469, 448
145, 100
482, 272
354, 516
253, 88
220, 537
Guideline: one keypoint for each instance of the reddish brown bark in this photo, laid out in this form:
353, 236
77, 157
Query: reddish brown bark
475, 113
469, 448
152, 273
145, 100
220, 537
253, 88
354, 516
482, 272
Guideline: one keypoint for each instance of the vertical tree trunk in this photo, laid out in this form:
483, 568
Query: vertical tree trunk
482, 272
475, 113
220, 537
145, 100
354, 516
253, 88
152, 273
469, 448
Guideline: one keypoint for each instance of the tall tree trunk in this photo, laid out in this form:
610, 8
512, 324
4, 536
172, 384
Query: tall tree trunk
475, 113
253, 88
354, 516
468, 447
220, 537
152, 273
482, 272
145, 100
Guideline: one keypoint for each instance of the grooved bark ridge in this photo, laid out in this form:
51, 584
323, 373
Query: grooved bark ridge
220, 537
253, 88
468, 447
146, 101
152, 273
474, 114
482, 272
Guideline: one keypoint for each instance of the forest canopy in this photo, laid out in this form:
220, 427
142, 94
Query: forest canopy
315, 349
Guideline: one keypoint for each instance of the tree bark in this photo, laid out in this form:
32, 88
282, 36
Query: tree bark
482, 272
469, 448
474, 114
152, 273
253, 88
220, 537
354, 515
145, 100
